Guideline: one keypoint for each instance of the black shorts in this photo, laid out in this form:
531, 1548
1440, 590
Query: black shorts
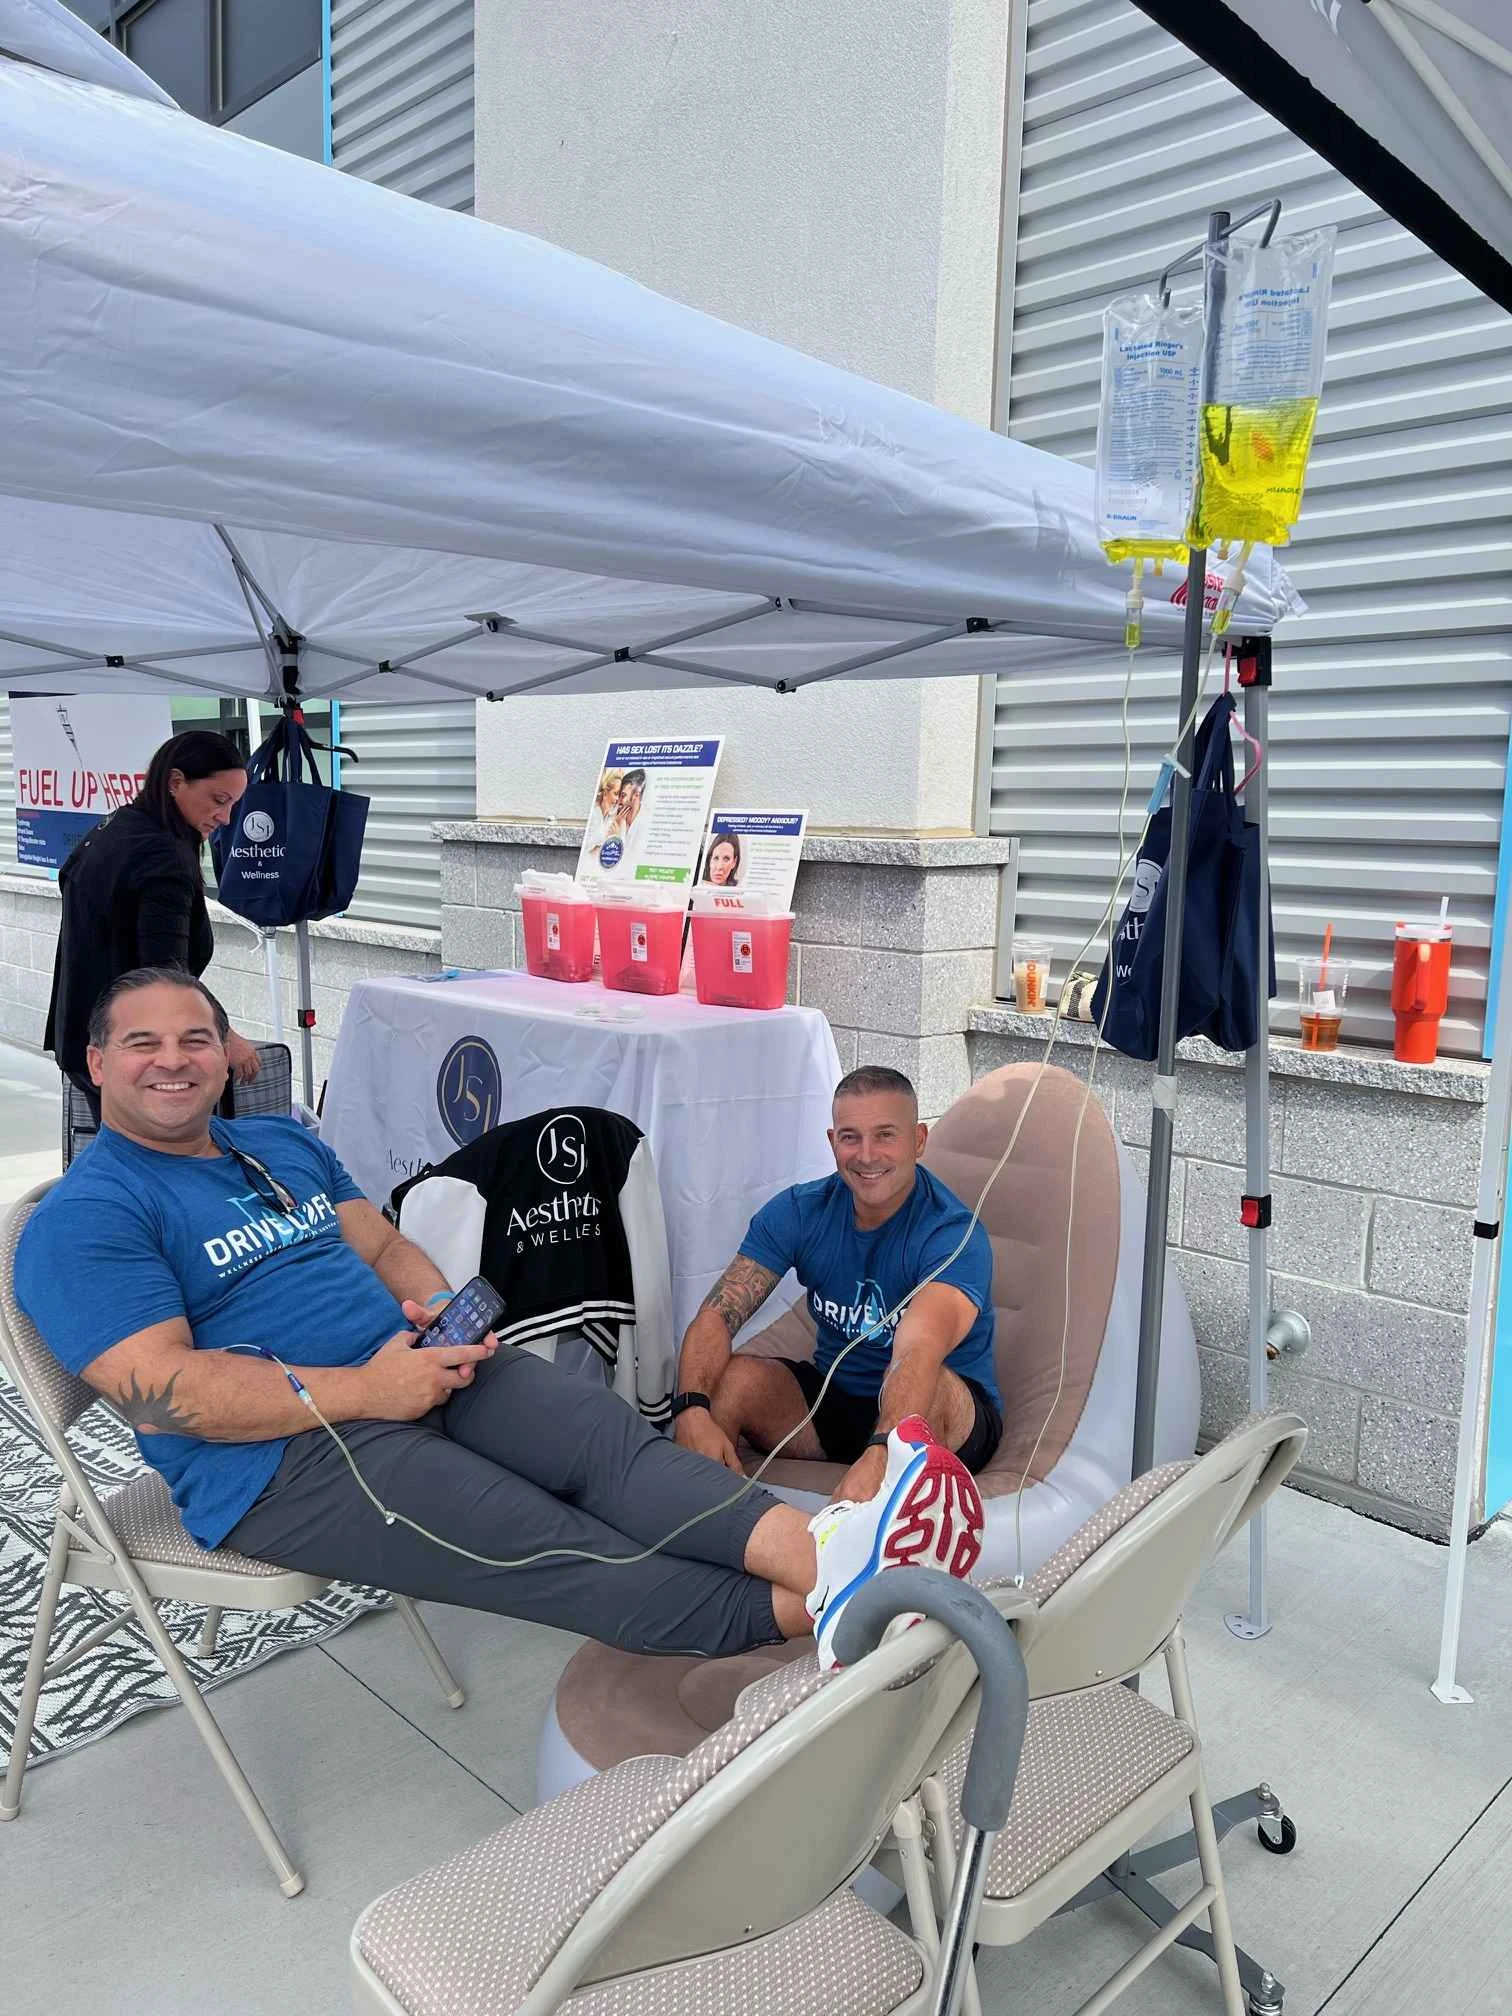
845, 1422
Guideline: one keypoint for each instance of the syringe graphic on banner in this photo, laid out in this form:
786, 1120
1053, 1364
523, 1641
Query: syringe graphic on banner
1147, 437
1260, 410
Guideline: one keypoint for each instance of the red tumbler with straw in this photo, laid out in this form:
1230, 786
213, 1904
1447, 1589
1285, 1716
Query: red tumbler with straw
1420, 985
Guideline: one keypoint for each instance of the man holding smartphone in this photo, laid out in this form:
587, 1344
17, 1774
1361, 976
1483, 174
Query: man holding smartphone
182, 1254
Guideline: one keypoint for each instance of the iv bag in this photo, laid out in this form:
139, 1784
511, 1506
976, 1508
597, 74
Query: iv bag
1147, 428
1261, 406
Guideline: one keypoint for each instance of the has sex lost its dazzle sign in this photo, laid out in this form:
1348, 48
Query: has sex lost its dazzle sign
75, 761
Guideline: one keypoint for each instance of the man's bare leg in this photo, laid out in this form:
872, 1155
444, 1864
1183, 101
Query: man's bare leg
760, 1399
952, 1412
781, 1551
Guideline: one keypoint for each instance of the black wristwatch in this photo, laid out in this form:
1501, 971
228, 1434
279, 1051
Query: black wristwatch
684, 1401
877, 1441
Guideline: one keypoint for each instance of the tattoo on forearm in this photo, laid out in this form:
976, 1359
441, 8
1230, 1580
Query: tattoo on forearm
153, 1412
739, 1293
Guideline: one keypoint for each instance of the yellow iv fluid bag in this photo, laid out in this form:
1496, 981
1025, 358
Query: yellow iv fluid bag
1257, 419
1147, 428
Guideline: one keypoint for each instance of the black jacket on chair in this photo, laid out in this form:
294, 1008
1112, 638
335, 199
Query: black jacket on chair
562, 1214
132, 895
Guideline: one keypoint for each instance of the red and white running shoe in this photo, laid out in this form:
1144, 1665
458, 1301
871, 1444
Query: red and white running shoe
928, 1514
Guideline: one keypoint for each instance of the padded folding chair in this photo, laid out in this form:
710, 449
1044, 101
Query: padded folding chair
1101, 1764
271, 1092
718, 1883
134, 1543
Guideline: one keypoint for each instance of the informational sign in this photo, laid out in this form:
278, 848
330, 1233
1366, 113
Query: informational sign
752, 853
650, 806
75, 761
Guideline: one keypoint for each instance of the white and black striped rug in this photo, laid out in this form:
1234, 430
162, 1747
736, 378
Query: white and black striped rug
121, 1677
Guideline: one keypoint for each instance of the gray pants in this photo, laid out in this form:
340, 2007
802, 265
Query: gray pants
527, 1458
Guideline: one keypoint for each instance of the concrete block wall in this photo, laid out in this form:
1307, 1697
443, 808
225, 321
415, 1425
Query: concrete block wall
1373, 1187
893, 938
340, 952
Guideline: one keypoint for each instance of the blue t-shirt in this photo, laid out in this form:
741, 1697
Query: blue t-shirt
132, 1237
853, 1277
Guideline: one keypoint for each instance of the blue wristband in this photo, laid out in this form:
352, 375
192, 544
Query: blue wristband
441, 1295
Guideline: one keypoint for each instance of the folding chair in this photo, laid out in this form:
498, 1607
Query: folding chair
719, 1882
134, 1543
1103, 1764
271, 1092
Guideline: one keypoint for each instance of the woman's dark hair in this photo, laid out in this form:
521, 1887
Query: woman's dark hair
731, 840
197, 753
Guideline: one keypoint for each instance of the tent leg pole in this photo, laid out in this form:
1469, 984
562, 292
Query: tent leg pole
275, 986
1479, 1332
1256, 1622
1163, 1119
306, 1014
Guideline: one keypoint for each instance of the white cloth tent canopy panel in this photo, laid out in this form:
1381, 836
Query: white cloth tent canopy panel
402, 420
1411, 99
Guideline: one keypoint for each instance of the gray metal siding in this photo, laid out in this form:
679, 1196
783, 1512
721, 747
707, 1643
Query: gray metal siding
417, 765
7, 792
402, 96
1392, 697
402, 115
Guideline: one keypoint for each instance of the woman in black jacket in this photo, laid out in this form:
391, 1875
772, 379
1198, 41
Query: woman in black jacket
133, 893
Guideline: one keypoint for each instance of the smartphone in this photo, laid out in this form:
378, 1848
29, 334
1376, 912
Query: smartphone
469, 1316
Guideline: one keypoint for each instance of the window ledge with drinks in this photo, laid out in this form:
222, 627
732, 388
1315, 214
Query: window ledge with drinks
1462, 1078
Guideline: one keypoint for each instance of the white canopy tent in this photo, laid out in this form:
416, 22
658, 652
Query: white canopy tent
242, 390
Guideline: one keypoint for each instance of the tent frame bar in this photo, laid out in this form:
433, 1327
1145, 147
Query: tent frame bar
1438, 87
1497, 54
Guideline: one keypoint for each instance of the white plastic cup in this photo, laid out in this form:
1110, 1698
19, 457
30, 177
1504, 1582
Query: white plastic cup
1031, 975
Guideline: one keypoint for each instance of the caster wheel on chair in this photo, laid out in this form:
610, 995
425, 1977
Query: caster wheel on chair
1272, 1844
1254, 2008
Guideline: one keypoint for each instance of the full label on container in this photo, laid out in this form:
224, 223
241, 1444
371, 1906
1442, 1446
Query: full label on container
553, 931
740, 951
639, 947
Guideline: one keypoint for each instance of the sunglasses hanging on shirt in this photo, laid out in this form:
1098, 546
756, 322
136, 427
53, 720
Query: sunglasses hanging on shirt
265, 1184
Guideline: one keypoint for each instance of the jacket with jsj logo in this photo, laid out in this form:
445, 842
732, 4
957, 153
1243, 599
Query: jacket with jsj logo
562, 1214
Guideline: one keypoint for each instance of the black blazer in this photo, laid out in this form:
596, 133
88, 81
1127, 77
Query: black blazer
133, 895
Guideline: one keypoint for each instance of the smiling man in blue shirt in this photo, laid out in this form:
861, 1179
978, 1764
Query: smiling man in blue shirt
881, 1231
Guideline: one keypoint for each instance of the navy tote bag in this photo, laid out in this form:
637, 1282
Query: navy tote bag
293, 851
1221, 935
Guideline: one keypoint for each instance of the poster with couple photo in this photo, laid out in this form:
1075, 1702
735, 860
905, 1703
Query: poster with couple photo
751, 853
649, 809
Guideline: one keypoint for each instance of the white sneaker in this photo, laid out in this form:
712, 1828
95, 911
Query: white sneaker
928, 1513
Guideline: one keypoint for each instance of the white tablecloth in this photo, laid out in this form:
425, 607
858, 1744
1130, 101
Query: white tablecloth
735, 1103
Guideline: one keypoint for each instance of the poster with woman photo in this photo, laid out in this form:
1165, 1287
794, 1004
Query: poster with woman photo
648, 813
751, 853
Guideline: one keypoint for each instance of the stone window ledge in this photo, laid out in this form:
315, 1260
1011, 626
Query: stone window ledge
875, 850
1461, 1078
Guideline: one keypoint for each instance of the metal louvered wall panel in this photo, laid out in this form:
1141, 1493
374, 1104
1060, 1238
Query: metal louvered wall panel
402, 115
1390, 713
417, 764
7, 792
402, 96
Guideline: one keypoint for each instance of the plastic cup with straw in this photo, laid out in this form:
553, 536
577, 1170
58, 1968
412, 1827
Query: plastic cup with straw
1322, 985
